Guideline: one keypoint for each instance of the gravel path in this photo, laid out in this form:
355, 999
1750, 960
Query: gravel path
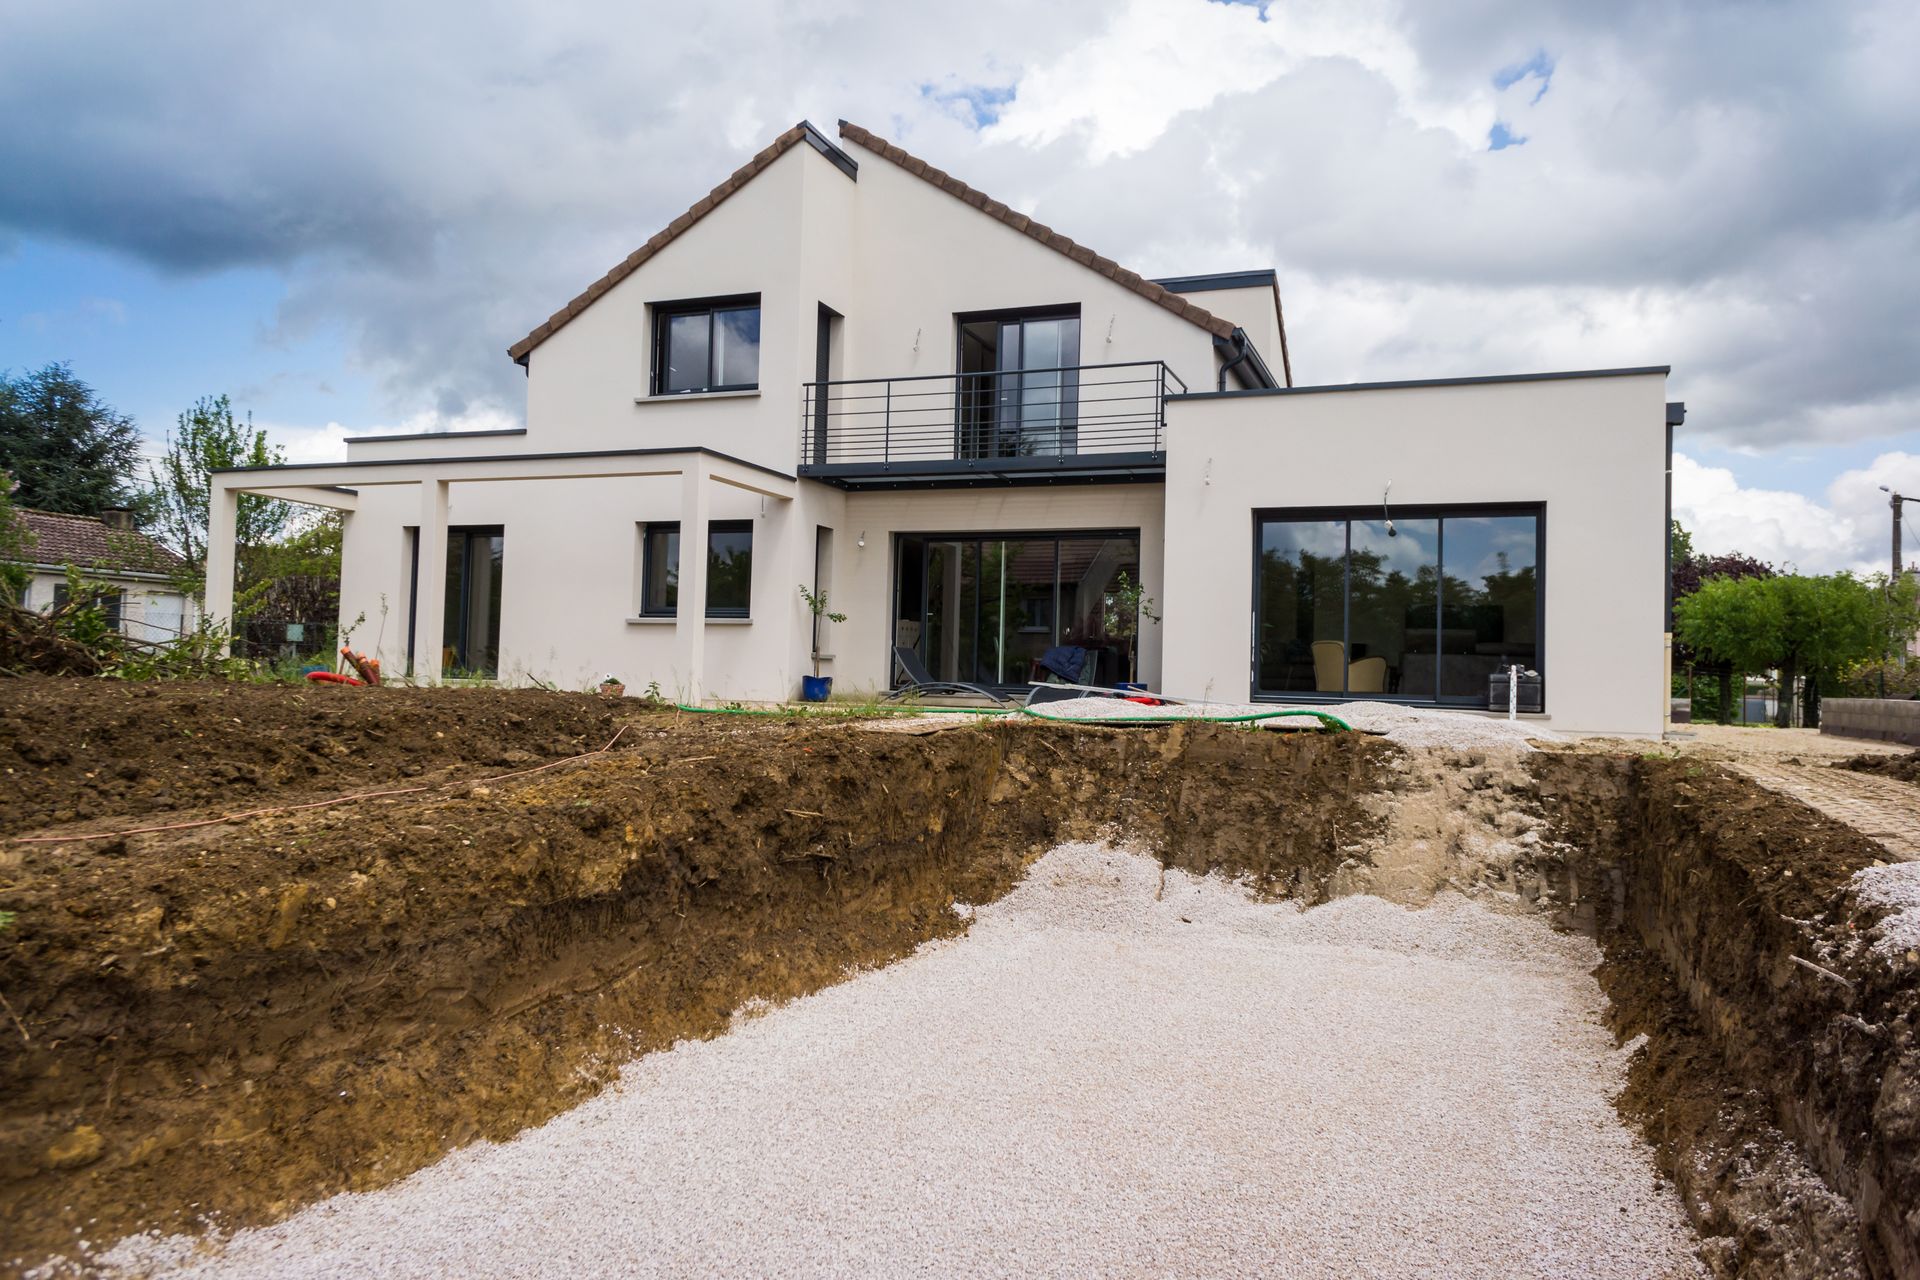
1092, 1082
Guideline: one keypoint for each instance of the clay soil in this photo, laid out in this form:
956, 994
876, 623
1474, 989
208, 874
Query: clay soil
229, 1021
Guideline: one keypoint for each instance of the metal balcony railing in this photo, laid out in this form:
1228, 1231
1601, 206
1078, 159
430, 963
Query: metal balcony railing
1086, 415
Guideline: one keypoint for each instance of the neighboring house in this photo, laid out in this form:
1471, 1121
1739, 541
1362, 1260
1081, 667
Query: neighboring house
144, 603
846, 368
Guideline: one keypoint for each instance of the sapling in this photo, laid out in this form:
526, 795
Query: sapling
1127, 603
817, 606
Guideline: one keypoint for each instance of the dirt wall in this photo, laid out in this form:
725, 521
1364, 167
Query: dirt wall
235, 1020
1705, 887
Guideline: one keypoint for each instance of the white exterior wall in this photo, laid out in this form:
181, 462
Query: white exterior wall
1593, 450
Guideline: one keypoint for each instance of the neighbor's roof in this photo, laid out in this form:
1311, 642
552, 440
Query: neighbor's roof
86, 542
805, 132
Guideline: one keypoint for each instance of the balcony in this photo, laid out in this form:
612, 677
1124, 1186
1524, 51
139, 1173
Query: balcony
1089, 423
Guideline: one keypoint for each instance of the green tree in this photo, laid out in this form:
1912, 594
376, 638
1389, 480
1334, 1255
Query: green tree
208, 438
15, 543
67, 450
1811, 627
1736, 624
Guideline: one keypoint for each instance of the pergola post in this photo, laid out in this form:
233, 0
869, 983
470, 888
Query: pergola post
690, 618
223, 521
429, 593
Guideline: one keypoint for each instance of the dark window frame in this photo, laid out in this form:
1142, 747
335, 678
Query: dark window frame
1427, 511
652, 528
898, 550
460, 618
664, 313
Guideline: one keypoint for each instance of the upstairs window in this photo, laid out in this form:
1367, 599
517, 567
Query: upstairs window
709, 345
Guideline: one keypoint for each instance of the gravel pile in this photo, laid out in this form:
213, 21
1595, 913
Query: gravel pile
1409, 726
1094, 1081
1896, 889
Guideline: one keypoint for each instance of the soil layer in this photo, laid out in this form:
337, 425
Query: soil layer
1735, 945
75, 750
233, 1020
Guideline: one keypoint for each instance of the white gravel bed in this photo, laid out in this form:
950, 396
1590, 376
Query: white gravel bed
1896, 888
1092, 1082
1409, 726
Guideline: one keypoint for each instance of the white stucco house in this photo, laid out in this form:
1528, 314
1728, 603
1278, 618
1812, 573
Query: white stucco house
847, 369
142, 597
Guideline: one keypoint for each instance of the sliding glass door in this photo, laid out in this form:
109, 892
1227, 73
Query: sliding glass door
1425, 608
988, 609
1019, 387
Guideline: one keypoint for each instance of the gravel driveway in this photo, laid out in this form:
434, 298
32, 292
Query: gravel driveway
1093, 1082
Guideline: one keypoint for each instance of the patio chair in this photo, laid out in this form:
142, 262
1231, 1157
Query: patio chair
920, 681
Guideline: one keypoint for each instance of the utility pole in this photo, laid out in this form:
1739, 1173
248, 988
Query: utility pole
1895, 501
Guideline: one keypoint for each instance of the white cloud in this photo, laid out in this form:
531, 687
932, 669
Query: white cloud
438, 185
1849, 530
329, 443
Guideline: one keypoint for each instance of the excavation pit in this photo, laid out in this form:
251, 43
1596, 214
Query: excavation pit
229, 1023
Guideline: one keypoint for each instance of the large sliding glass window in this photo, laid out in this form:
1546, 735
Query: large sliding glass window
987, 609
1426, 608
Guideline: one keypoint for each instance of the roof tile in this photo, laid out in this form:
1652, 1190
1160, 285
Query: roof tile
87, 542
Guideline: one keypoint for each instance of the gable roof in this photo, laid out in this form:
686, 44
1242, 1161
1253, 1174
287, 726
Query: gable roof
802, 132
90, 543
805, 132
1046, 235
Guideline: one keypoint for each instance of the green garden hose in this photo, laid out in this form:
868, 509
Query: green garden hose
1327, 720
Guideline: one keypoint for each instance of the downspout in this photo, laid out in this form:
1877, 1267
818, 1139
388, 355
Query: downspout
1243, 351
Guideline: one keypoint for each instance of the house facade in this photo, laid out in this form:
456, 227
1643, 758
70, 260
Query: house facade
846, 369
142, 597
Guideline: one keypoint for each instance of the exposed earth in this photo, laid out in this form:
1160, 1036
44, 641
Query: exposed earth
219, 1022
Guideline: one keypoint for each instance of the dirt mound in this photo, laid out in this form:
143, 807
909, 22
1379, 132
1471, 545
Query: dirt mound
1901, 768
85, 750
240, 1018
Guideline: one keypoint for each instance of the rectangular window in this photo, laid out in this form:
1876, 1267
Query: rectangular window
470, 628
1425, 608
107, 600
729, 569
710, 345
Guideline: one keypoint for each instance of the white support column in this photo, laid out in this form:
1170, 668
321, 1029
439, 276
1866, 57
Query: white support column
429, 589
690, 624
223, 518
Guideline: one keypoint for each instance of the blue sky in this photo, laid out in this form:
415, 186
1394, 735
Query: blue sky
153, 341
342, 216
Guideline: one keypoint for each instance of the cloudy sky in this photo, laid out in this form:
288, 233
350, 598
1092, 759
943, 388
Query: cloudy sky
341, 215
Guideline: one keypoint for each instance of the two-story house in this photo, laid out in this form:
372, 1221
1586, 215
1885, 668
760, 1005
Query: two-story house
847, 369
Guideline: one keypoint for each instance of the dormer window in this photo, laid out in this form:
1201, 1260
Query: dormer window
709, 344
